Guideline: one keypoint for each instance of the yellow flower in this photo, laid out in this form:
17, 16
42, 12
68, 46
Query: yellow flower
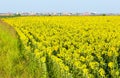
101, 72
66, 68
90, 76
76, 63
82, 58
94, 65
110, 53
113, 48
85, 71
56, 48
37, 53
111, 64
43, 59
89, 58
117, 73
116, 54
83, 66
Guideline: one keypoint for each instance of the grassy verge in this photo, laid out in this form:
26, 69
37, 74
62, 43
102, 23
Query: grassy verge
10, 59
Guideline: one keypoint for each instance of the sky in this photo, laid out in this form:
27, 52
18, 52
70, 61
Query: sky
99, 6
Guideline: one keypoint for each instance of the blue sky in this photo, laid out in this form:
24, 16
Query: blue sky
99, 6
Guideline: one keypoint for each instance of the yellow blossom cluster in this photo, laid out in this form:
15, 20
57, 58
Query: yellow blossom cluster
72, 46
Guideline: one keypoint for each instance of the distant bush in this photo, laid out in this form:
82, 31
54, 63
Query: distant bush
103, 14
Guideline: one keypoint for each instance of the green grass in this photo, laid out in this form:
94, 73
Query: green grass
10, 60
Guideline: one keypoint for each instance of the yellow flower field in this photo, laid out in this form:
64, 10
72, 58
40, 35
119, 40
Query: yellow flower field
71, 46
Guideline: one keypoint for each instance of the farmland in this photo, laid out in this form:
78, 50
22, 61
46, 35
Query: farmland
66, 46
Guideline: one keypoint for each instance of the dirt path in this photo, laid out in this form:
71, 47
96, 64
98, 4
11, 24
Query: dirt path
8, 28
